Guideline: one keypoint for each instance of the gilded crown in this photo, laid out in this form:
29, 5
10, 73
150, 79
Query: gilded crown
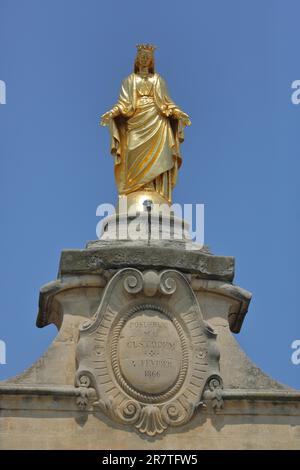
146, 47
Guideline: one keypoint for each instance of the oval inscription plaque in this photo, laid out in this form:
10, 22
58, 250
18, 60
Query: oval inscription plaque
149, 352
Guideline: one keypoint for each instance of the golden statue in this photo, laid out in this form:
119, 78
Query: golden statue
146, 129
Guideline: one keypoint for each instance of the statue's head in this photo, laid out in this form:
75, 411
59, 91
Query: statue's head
144, 57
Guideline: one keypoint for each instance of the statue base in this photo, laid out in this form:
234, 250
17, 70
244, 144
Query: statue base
144, 216
145, 358
145, 227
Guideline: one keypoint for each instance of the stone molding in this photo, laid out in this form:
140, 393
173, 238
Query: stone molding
240, 297
272, 397
114, 255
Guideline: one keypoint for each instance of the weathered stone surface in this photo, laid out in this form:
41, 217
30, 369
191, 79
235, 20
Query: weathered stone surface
239, 299
116, 255
47, 418
82, 291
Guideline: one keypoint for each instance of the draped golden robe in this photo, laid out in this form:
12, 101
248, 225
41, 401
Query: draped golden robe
144, 140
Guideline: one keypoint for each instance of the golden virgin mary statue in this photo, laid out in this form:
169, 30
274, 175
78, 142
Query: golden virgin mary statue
146, 129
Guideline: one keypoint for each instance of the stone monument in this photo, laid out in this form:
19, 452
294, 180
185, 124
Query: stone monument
145, 357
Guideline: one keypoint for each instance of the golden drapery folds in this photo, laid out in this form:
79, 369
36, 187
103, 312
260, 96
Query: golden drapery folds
146, 129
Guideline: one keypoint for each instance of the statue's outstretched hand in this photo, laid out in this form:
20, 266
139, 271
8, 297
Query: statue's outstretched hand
170, 110
178, 114
106, 117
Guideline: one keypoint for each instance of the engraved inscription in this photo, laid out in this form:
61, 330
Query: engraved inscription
149, 352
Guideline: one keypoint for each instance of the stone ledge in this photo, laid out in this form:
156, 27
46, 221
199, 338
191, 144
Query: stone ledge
117, 255
262, 395
25, 389
228, 395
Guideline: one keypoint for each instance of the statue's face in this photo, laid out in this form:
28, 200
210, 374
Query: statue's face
144, 58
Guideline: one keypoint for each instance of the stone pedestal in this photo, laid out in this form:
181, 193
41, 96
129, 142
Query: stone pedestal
145, 358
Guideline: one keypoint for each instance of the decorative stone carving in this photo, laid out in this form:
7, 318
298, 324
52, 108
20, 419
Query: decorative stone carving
85, 393
214, 392
148, 353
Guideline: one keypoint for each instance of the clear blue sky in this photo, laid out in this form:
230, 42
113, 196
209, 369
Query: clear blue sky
230, 65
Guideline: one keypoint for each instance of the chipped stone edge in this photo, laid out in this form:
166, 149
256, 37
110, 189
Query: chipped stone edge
97, 260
